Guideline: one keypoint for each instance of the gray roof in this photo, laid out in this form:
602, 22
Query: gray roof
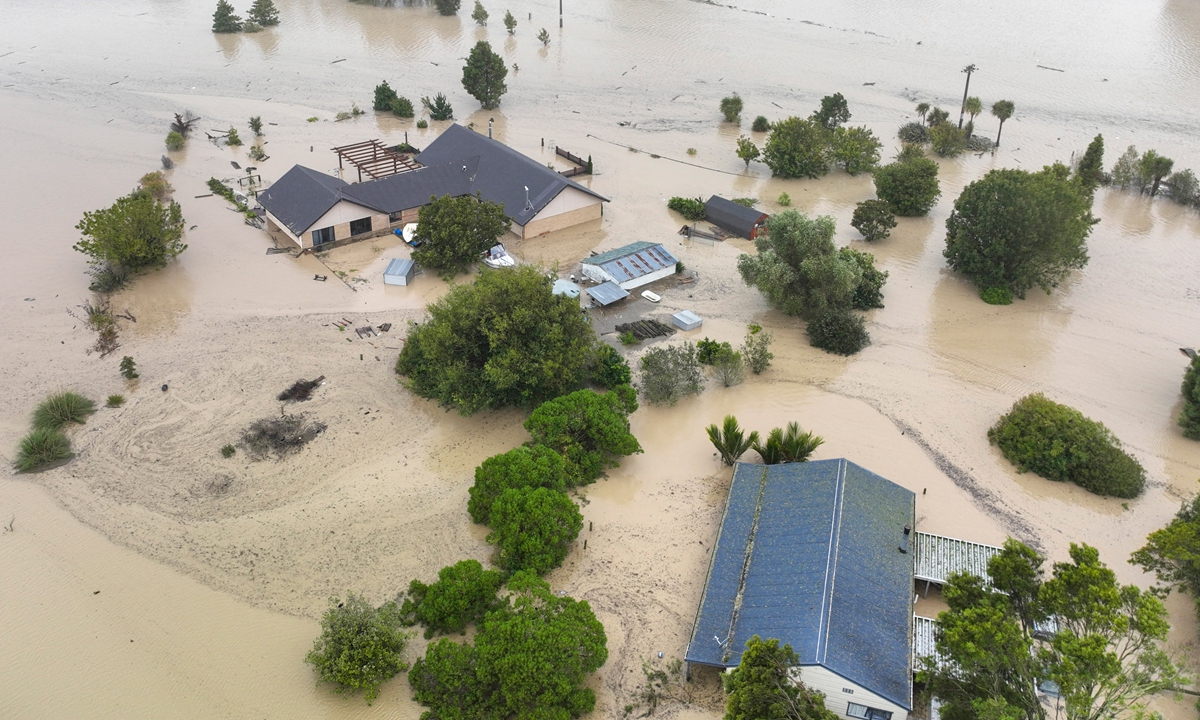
301, 197
809, 553
399, 266
408, 190
502, 173
731, 216
633, 260
607, 293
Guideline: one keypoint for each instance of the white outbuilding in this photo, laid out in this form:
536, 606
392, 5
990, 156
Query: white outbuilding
631, 266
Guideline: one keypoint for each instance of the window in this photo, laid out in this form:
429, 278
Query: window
396, 216
358, 227
855, 710
322, 236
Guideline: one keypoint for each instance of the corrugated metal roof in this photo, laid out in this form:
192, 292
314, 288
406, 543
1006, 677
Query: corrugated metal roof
633, 261
809, 553
938, 557
301, 197
923, 641
607, 293
731, 216
399, 266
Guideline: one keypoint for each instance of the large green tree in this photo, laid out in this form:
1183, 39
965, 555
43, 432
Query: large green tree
225, 20
1153, 168
797, 148
834, 111
136, 233
1091, 166
533, 528
874, 219
590, 430
457, 230
447, 7
523, 467
504, 340
1189, 417
1018, 230
856, 149
761, 687
462, 594
360, 646
1173, 552
670, 372
910, 185
483, 75
264, 13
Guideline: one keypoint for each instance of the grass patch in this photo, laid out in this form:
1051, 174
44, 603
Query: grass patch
40, 448
628, 338
65, 407
228, 451
280, 436
115, 401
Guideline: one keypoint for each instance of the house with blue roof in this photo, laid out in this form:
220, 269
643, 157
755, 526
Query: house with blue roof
819, 555
630, 266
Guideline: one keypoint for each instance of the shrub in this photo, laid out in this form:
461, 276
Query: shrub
868, 293
707, 350
609, 369
937, 116
62, 408
690, 208
128, 368
251, 27
115, 401
107, 278
402, 107
761, 124
479, 14
384, 95
947, 140
797, 148
856, 149
227, 451
523, 467
422, 123
590, 430
263, 12
915, 133
232, 139
784, 199
833, 111
256, 153
510, 22
909, 186
728, 366
447, 7
874, 219
462, 594
41, 447
360, 646
314, 118
1189, 417
544, 37
996, 296
628, 338
135, 233
669, 373
1058, 443
533, 528
174, 141
756, 349
300, 390
439, 107
256, 125
731, 108
729, 440
156, 184
838, 331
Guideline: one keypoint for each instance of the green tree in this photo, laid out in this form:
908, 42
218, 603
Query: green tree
510, 22
730, 441
833, 112
1189, 417
1125, 173
1003, 110
175, 141
728, 366
438, 108
544, 36
936, 117
533, 528
913, 133
1172, 553
457, 231
462, 594
523, 467
1153, 168
232, 139
790, 446
868, 294
1017, 229
1091, 166
1184, 186
588, 429
402, 107
909, 186
483, 75
839, 331
731, 108
360, 646
797, 148
256, 125
225, 20
856, 149
264, 13
608, 369
747, 150
1060, 444
479, 14
447, 7
922, 110
670, 373
156, 184
136, 233
973, 106
504, 340
756, 348
384, 95
447, 681
762, 687
874, 219
760, 124
947, 140
798, 268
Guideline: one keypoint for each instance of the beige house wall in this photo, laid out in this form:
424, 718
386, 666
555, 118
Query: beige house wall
545, 222
273, 225
839, 692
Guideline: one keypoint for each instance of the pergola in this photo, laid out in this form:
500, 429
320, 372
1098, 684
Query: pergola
372, 158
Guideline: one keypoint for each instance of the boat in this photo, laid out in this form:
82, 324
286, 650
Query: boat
409, 235
652, 297
498, 257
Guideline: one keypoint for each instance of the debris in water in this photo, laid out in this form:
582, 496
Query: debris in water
300, 390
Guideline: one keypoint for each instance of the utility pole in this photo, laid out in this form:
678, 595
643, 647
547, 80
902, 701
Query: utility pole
559, 14
968, 70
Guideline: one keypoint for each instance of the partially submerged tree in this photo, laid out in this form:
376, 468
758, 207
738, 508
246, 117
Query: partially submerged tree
747, 150
439, 107
1189, 417
730, 441
447, 7
360, 646
136, 233
922, 110
544, 36
384, 95
834, 111
264, 13
1172, 553
1091, 166
479, 14
504, 340
533, 528
909, 186
522, 467
788, 446
510, 22
731, 108
457, 231
1125, 173
874, 219
1018, 230
225, 20
947, 140
763, 686
797, 148
756, 349
483, 75
868, 293
1153, 168
670, 373
462, 594
973, 106
590, 430
856, 149
1003, 110
838, 331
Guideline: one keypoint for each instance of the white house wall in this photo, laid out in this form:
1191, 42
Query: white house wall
566, 201
839, 692
596, 273
647, 279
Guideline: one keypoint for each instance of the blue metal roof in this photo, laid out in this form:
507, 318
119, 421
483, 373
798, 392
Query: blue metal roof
633, 261
809, 553
399, 266
607, 293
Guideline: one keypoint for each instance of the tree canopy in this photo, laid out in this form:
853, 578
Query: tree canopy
761, 687
747, 150
264, 13
1003, 110
483, 75
522, 467
384, 96
834, 111
1172, 553
1017, 230
533, 528
504, 340
874, 219
463, 592
457, 230
1189, 417
360, 646
797, 148
1091, 166
855, 149
1105, 656
588, 429
447, 7
910, 186
669, 373
731, 108
225, 20
136, 233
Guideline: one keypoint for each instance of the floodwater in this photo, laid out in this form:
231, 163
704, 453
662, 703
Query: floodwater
212, 573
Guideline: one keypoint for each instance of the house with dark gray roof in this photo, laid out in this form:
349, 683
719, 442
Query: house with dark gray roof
734, 217
313, 208
818, 555
630, 266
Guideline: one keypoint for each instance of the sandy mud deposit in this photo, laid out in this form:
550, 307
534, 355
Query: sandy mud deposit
212, 572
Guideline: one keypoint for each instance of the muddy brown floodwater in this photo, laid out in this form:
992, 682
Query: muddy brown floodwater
150, 578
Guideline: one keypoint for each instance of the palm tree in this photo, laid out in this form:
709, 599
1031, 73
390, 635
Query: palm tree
973, 106
1002, 109
797, 445
922, 108
729, 441
772, 452
1153, 168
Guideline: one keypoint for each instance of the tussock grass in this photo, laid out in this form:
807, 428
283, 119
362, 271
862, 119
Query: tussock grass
60, 409
115, 401
40, 448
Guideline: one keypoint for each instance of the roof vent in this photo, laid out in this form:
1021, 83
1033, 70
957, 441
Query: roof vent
904, 541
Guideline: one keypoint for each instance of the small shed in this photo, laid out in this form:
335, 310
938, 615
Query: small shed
399, 272
607, 293
687, 320
631, 266
732, 217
